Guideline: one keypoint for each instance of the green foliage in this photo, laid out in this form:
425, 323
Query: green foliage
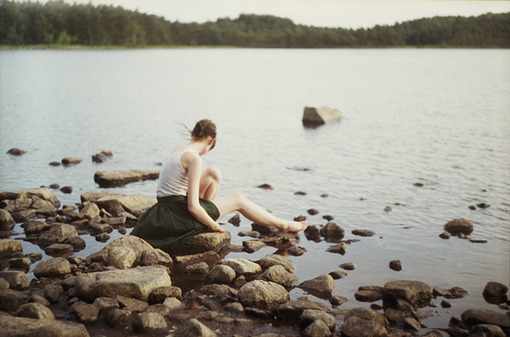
57, 22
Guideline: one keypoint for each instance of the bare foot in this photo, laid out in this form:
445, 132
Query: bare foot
294, 226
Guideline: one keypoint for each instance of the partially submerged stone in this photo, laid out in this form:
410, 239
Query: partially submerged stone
313, 117
124, 177
263, 295
321, 286
415, 292
459, 226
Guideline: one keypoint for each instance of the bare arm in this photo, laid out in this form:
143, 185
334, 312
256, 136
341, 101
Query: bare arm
193, 163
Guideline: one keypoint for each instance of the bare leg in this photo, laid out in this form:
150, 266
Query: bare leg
252, 211
210, 183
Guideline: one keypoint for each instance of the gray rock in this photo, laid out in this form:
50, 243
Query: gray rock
332, 231
132, 304
263, 295
251, 246
221, 274
243, 267
124, 177
34, 226
58, 233
35, 310
58, 248
416, 292
87, 313
204, 242
276, 259
369, 294
316, 329
156, 257
118, 318
293, 310
55, 267
485, 316
10, 247
44, 207
193, 327
18, 280
117, 254
149, 323
120, 257
6, 221
171, 303
106, 303
90, 211
459, 226
278, 274
321, 286
309, 316
136, 282
197, 270
27, 195
21, 326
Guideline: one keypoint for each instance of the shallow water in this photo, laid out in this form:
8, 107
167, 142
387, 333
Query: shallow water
436, 117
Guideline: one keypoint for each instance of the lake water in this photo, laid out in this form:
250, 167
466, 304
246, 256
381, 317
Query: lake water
436, 117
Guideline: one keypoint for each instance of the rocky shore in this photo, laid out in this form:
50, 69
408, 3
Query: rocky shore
128, 288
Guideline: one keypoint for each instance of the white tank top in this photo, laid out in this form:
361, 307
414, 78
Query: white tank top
173, 178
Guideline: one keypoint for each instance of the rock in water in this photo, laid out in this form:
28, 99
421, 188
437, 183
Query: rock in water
263, 295
321, 286
459, 226
313, 117
415, 292
20, 326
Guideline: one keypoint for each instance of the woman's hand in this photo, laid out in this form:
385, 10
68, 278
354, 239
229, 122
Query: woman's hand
218, 228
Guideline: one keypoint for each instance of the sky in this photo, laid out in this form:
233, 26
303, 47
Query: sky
320, 13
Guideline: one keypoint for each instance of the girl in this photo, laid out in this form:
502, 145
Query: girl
187, 203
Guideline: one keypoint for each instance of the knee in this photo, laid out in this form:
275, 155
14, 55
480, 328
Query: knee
213, 173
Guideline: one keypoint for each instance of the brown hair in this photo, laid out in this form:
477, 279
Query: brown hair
203, 129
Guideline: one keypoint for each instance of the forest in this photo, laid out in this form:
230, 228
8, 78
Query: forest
62, 24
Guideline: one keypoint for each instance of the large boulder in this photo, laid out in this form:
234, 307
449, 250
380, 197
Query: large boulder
415, 292
204, 242
313, 117
263, 295
137, 283
21, 326
124, 177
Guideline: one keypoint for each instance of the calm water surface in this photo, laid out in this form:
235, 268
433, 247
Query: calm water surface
437, 117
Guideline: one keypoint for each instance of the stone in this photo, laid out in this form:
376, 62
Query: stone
9, 248
10, 300
416, 292
312, 233
66, 189
34, 226
456, 292
495, 292
204, 242
313, 117
445, 235
149, 323
136, 244
368, 295
363, 232
135, 282
124, 177
293, 310
18, 280
459, 226
485, 316
331, 232
278, 274
71, 161
15, 151
171, 303
55, 267
363, 322
132, 304
309, 316
339, 248
44, 207
90, 211
43, 193
22, 326
348, 266
263, 295
6, 221
58, 233
106, 303
121, 257
235, 220
243, 267
197, 270
4, 284
159, 295
118, 318
488, 330
395, 265
220, 274
194, 327
35, 310
58, 248
315, 329
337, 300
276, 259
102, 156
251, 246
52, 292
87, 313
321, 286
156, 257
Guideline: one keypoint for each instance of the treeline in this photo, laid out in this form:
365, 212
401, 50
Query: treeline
57, 22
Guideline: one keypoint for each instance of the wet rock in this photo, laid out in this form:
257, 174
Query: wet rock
445, 304
117, 254
332, 231
197, 270
58, 248
336, 275
71, 161
296, 251
415, 292
90, 211
156, 257
66, 189
52, 292
495, 292
363, 232
21, 326
369, 294
24, 215
412, 323
55, 267
102, 156
264, 230
149, 323
339, 248
277, 260
459, 226
35, 310
362, 322
159, 295
243, 267
445, 235
221, 274
316, 329
120, 257
119, 205
106, 303
135, 282
44, 207
119, 318
485, 316
219, 293
58, 233
293, 310
266, 187
309, 316
235, 220
312, 211
396, 265
103, 237
34, 227
314, 117
9, 248
11, 300
387, 209
348, 266
55, 163
210, 241
15, 151
194, 327
328, 217
321, 286
251, 246
263, 295
278, 274
18, 280
337, 300
6, 221
252, 234
483, 205
114, 221
456, 292
210, 258
488, 330
124, 177
132, 304
87, 313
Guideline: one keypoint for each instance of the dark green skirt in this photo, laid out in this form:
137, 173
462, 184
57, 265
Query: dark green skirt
168, 224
